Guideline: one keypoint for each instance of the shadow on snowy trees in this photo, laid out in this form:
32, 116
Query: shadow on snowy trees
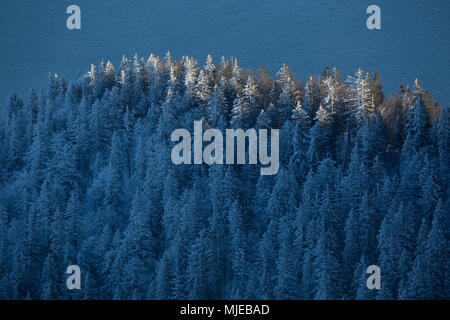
86, 179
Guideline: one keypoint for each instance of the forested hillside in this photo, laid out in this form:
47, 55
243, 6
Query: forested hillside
87, 179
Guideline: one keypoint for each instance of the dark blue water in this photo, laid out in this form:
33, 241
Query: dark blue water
306, 34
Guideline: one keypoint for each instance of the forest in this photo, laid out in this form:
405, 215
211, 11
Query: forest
86, 179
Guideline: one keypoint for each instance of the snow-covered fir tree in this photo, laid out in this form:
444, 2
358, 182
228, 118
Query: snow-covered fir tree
86, 178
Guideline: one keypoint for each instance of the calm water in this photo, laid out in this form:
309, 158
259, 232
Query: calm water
306, 34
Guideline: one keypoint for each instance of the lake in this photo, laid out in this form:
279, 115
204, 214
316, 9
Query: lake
307, 35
